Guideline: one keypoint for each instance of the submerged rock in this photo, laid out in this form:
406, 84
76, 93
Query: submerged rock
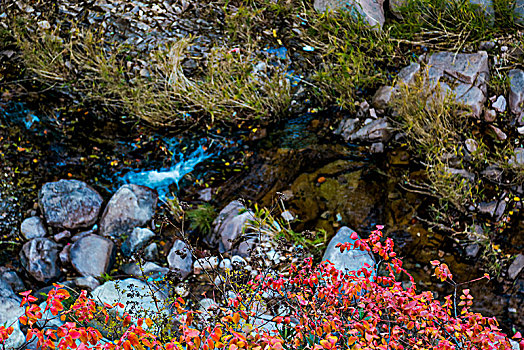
92, 255
39, 257
131, 206
349, 260
371, 10
32, 227
70, 204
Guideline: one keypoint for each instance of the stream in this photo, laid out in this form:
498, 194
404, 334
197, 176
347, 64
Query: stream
331, 183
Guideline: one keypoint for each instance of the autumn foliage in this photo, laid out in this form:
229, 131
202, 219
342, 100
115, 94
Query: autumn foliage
316, 307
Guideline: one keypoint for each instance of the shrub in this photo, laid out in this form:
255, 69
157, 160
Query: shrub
320, 308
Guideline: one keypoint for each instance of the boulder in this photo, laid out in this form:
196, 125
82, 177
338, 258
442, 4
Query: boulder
137, 296
89, 283
10, 310
519, 11
349, 260
39, 257
32, 227
516, 91
229, 226
12, 278
92, 255
464, 67
372, 11
148, 269
69, 204
516, 266
137, 240
375, 131
151, 252
131, 206
180, 259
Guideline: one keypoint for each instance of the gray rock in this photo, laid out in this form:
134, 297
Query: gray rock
371, 10
151, 252
14, 281
500, 104
39, 258
137, 296
377, 147
64, 255
519, 11
137, 240
92, 255
229, 227
180, 259
516, 266
495, 209
10, 308
62, 235
48, 320
382, 97
148, 270
376, 131
17, 339
347, 127
349, 260
32, 227
518, 157
471, 145
407, 74
208, 265
69, 204
490, 115
516, 91
463, 67
89, 283
131, 206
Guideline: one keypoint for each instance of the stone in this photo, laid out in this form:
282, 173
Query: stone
149, 270
407, 74
377, 147
225, 265
490, 115
136, 296
519, 11
180, 259
62, 236
516, 91
463, 67
500, 104
64, 255
347, 127
151, 252
495, 209
229, 226
92, 255
203, 265
238, 262
371, 11
349, 260
518, 157
89, 282
69, 204
376, 131
32, 227
10, 308
471, 145
14, 281
17, 339
516, 266
382, 97
501, 135
39, 257
131, 206
137, 240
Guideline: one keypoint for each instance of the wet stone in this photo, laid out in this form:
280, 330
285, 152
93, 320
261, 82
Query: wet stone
131, 206
69, 204
32, 227
39, 257
92, 255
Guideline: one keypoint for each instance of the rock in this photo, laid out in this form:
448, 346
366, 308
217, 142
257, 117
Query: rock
14, 281
471, 145
69, 204
463, 67
149, 270
501, 135
371, 10
518, 157
62, 235
376, 131
349, 260
230, 226
382, 97
48, 320
208, 265
519, 11
136, 240
131, 206
238, 262
347, 127
516, 266
136, 296
516, 91
151, 252
225, 265
17, 339
490, 115
89, 283
92, 255
32, 227
38, 257
500, 104
64, 255
180, 259
407, 74
495, 209
377, 147
10, 308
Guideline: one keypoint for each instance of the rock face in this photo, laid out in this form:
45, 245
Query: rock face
349, 260
69, 204
32, 227
92, 255
131, 206
39, 258
516, 91
229, 226
134, 294
137, 240
180, 259
372, 11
